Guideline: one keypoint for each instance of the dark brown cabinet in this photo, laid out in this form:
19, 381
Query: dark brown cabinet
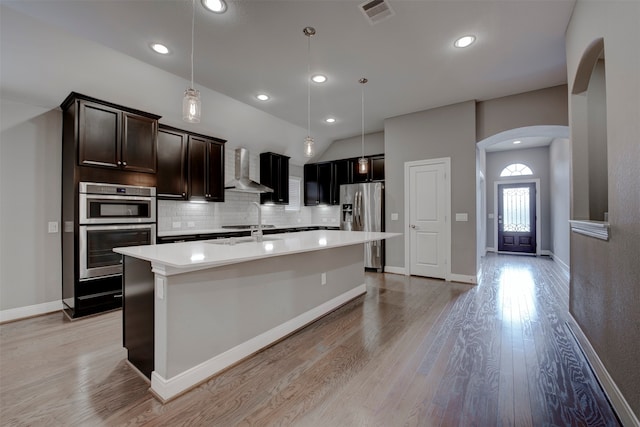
322, 181
190, 166
110, 137
274, 173
318, 183
172, 164
206, 169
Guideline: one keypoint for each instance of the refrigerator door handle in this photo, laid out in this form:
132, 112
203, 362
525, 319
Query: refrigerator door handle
360, 225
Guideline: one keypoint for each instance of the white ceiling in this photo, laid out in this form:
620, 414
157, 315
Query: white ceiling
409, 59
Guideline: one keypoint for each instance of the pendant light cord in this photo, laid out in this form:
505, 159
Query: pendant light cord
363, 119
309, 86
193, 24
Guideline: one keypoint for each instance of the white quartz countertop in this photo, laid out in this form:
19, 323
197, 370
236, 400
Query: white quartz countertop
174, 258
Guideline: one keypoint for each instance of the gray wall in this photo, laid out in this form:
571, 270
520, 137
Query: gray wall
560, 192
440, 132
30, 171
538, 160
352, 147
605, 284
539, 107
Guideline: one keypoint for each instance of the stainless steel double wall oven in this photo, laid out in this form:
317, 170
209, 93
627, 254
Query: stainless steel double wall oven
109, 216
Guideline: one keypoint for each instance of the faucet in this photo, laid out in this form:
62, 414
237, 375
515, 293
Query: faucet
257, 233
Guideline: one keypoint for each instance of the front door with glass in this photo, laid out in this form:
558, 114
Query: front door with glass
517, 218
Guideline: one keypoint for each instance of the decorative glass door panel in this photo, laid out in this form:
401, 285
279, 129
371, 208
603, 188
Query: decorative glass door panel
517, 218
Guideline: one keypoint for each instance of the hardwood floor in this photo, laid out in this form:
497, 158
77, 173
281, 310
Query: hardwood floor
412, 352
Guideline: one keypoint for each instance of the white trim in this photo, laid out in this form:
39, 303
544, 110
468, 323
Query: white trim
462, 278
395, 270
619, 403
446, 161
545, 252
561, 263
490, 249
495, 208
29, 311
167, 389
597, 229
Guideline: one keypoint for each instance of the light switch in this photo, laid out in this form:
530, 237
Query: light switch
53, 226
462, 217
490, 216
394, 217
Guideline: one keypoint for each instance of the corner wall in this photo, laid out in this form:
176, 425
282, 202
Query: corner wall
605, 275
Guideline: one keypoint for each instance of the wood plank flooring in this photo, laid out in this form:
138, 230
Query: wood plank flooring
412, 352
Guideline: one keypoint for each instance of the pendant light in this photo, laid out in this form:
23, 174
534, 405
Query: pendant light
363, 163
191, 107
308, 142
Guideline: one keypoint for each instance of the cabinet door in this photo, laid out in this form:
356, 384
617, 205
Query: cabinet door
281, 192
325, 175
215, 171
172, 165
311, 195
197, 167
376, 168
99, 135
139, 138
342, 174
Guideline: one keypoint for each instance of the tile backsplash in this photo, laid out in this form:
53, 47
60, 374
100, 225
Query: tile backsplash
237, 208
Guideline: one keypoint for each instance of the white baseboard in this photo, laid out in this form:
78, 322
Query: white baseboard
166, 389
394, 270
545, 252
463, 278
29, 311
489, 249
619, 403
561, 263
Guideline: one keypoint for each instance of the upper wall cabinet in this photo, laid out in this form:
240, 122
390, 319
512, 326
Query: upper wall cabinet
318, 183
111, 136
274, 173
190, 166
172, 164
375, 172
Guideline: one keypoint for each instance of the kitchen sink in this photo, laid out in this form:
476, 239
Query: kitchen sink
230, 241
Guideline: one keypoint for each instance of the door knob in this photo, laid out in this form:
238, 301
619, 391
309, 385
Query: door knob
413, 226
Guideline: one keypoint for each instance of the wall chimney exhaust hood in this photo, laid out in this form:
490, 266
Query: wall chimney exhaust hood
242, 182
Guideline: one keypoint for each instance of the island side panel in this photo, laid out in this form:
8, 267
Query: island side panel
137, 314
212, 311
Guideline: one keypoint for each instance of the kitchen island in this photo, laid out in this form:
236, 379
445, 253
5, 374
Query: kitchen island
193, 309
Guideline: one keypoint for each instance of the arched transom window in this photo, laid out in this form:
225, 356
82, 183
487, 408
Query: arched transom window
516, 169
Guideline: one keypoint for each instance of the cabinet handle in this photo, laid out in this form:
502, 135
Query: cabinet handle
124, 163
184, 194
119, 162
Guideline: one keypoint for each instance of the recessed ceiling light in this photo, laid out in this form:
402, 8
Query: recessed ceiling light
319, 78
464, 41
262, 97
215, 6
159, 48
330, 120
517, 141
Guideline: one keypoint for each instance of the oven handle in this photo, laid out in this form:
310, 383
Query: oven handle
113, 197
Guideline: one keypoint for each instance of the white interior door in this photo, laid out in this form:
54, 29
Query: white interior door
428, 227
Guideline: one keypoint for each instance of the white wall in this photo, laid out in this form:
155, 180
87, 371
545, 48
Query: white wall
30, 174
352, 147
441, 132
560, 193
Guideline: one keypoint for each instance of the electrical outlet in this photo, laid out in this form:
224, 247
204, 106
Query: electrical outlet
53, 226
176, 224
191, 224
394, 217
323, 279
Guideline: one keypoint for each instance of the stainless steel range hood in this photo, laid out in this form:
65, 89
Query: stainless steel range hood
242, 182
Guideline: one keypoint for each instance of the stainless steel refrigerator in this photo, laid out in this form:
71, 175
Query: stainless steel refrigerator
362, 209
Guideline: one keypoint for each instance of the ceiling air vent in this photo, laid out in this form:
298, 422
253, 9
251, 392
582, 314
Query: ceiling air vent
376, 10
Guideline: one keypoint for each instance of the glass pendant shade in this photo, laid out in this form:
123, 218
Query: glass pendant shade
363, 165
191, 108
308, 147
